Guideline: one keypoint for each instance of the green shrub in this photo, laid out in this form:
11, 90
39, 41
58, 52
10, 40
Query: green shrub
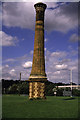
13, 89
76, 92
60, 92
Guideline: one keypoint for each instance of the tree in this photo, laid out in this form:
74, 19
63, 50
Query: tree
13, 89
59, 91
23, 88
76, 92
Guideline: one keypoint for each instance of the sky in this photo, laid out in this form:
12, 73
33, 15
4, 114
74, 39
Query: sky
61, 40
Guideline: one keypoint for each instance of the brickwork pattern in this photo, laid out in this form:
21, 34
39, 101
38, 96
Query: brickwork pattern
38, 66
36, 90
36, 86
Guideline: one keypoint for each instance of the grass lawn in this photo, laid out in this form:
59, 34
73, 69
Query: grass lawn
14, 106
0, 107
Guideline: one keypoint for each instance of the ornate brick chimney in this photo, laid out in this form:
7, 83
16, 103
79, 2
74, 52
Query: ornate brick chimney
38, 77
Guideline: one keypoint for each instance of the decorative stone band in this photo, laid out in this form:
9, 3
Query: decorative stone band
39, 29
37, 79
40, 24
37, 76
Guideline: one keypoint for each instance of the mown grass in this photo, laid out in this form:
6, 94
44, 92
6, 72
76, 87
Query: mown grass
0, 106
14, 106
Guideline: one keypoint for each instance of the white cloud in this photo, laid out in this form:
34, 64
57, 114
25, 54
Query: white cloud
45, 39
12, 70
27, 64
0, 67
59, 54
18, 60
74, 68
74, 38
6, 66
45, 49
19, 17
10, 60
63, 66
63, 19
57, 72
31, 52
44, 1
7, 40
54, 66
34, 1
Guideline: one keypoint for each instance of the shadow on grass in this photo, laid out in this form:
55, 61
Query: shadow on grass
71, 98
